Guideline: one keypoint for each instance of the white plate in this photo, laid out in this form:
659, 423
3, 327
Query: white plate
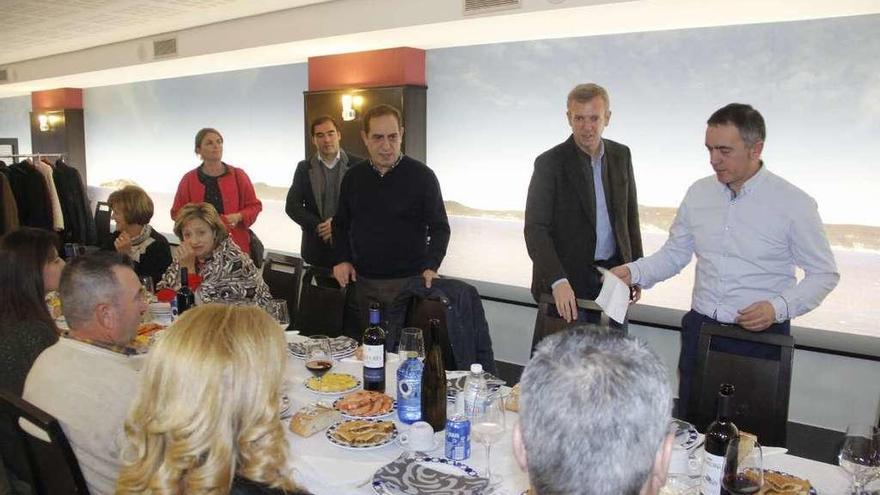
686, 435
356, 386
372, 416
366, 446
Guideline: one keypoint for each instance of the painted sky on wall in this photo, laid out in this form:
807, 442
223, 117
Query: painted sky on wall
145, 131
493, 108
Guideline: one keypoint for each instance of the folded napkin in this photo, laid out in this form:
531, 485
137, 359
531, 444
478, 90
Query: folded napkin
408, 475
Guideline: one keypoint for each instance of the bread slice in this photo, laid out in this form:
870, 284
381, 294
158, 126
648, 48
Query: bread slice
312, 419
511, 403
747, 442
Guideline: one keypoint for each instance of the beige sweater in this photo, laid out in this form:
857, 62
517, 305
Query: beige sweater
89, 390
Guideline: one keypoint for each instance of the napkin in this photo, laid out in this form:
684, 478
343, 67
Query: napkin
614, 296
407, 476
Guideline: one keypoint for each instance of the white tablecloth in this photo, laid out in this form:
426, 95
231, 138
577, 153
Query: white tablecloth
325, 469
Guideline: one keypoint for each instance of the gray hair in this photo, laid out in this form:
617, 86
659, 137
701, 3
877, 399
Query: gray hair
88, 281
748, 121
594, 411
583, 93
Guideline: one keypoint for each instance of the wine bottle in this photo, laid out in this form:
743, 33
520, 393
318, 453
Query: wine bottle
185, 297
434, 381
374, 353
718, 435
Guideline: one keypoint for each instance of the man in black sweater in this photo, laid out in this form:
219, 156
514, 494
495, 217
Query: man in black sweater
391, 222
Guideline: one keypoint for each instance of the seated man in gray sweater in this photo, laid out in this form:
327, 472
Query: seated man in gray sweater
88, 379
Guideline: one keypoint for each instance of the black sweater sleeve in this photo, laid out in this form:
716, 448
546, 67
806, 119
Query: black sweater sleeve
437, 222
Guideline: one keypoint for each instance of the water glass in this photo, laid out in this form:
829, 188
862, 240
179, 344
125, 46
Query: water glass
743, 467
412, 344
860, 455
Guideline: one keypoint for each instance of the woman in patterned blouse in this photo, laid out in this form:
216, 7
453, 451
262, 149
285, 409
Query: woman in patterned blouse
218, 269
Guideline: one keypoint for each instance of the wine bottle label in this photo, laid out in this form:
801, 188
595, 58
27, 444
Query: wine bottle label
374, 356
713, 465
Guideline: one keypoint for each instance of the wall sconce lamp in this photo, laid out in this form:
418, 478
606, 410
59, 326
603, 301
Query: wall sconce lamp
49, 121
350, 106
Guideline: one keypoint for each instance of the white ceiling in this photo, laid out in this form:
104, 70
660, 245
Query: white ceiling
112, 39
37, 28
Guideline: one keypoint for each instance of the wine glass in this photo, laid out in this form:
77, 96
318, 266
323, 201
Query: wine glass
149, 290
412, 344
743, 467
487, 426
860, 455
278, 310
319, 358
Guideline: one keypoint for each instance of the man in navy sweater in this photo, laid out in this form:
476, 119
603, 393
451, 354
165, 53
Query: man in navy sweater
391, 222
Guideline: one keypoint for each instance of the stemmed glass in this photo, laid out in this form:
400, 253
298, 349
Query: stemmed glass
860, 455
149, 290
412, 344
487, 426
319, 358
278, 310
743, 467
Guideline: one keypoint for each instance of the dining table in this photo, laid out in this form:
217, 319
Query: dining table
324, 468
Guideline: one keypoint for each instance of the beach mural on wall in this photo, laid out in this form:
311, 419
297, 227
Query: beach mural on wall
493, 108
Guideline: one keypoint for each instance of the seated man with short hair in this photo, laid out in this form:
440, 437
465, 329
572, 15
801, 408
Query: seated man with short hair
83, 380
594, 416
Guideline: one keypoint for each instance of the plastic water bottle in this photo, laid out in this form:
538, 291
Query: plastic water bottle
475, 391
409, 390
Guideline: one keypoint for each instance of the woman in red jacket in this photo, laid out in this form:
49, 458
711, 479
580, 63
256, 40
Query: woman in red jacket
225, 187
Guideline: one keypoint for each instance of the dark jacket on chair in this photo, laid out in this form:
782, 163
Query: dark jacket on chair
465, 320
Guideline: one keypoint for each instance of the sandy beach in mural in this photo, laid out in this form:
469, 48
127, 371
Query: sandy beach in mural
488, 245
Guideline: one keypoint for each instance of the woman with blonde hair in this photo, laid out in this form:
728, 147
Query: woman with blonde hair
206, 419
218, 271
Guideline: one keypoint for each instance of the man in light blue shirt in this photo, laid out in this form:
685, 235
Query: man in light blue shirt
749, 230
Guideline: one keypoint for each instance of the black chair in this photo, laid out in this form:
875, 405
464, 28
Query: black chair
283, 274
548, 321
419, 314
102, 225
760, 402
53, 467
322, 306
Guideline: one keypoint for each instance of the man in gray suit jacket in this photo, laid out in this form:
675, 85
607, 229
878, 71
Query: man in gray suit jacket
314, 194
581, 210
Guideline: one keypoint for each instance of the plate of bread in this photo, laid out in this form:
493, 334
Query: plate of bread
314, 418
362, 434
365, 404
779, 483
332, 383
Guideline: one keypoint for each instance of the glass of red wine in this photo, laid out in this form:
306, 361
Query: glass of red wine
743, 467
319, 358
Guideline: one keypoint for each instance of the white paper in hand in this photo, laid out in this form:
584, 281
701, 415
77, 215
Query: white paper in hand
614, 296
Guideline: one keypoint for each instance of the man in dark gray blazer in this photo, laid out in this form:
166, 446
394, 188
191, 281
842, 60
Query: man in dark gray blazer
314, 195
581, 210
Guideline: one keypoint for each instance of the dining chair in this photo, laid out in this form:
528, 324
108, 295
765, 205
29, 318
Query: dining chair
548, 321
53, 467
762, 385
104, 238
283, 274
322, 306
420, 312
